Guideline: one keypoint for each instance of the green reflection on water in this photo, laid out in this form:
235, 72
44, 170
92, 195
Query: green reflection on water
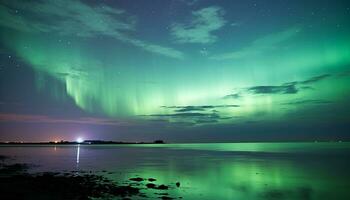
229, 176
241, 171
248, 180
256, 147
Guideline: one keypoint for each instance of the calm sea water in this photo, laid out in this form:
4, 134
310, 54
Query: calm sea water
299, 171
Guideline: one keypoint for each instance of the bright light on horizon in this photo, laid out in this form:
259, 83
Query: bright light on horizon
80, 140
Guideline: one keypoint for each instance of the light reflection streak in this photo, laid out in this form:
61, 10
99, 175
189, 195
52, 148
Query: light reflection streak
78, 155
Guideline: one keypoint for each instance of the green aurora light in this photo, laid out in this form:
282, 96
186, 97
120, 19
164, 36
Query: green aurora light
107, 71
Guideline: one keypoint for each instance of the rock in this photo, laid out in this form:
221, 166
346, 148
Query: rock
13, 168
2, 158
162, 187
177, 184
138, 179
126, 190
72, 185
143, 195
46, 185
166, 198
150, 185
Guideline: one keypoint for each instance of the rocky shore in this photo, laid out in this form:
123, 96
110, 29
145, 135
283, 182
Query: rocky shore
17, 183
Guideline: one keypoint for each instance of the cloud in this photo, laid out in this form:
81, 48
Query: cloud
305, 83
200, 30
187, 118
307, 101
76, 19
201, 121
190, 118
198, 108
233, 96
234, 24
193, 115
185, 114
307, 88
285, 88
189, 2
261, 45
165, 51
315, 79
190, 108
12, 117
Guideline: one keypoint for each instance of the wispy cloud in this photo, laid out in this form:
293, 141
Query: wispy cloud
285, 88
315, 79
281, 89
198, 108
189, 118
235, 24
189, 2
193, 115
201, 27
187, 114
261, 45
206, 121
76, 19
233, 96
307, 101
12, 117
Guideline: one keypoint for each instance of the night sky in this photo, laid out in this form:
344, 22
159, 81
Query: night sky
177, 70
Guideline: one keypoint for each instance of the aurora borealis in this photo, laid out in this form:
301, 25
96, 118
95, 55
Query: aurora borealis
179, 70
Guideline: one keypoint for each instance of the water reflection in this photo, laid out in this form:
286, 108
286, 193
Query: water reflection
207, 174
78, 155
210, 176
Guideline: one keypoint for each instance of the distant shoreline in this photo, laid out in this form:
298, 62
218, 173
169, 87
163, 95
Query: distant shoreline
90, 142
85, 142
